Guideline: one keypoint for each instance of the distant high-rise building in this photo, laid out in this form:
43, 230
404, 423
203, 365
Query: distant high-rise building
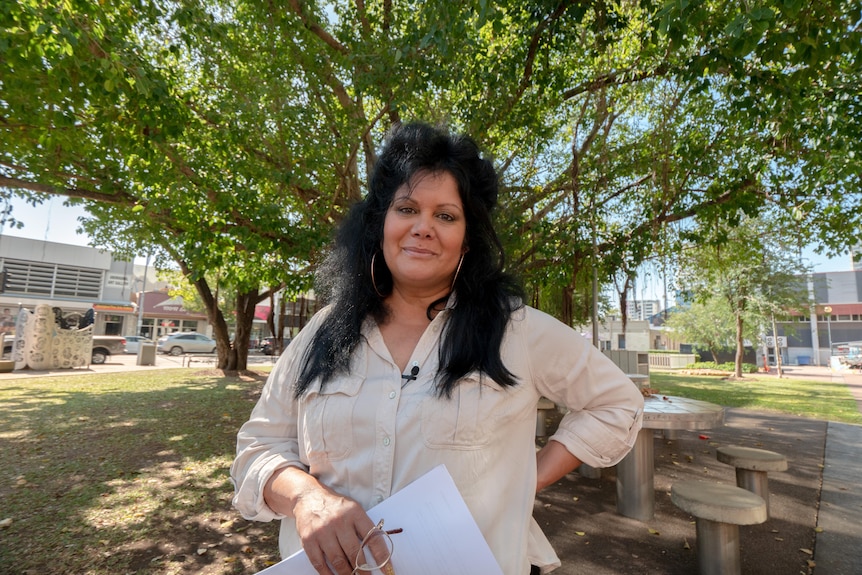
642, 309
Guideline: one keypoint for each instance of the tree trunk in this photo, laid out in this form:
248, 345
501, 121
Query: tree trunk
245, 304
740, 348
777, 347
215, 317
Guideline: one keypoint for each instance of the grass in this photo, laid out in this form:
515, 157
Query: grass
125, 473
806, 398
128, 472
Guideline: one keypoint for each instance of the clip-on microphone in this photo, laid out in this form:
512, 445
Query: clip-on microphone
412, 375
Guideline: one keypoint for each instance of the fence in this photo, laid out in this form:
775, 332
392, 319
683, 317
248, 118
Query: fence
671, 360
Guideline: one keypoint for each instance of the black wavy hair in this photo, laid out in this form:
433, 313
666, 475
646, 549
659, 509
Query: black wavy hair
486, 294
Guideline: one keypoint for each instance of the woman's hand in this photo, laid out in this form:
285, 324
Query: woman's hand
330, 526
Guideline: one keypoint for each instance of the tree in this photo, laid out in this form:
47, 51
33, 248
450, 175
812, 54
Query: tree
231, 136
708, 324
749, 268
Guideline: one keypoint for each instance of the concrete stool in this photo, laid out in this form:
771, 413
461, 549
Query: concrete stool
751, 467
545, 405
719, 510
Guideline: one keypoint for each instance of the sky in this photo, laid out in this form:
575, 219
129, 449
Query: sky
54, 222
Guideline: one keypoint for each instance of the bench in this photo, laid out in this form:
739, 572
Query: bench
719, 509
752, 466
199, 357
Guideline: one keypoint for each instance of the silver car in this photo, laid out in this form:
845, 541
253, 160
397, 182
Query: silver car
186, 342
133, 341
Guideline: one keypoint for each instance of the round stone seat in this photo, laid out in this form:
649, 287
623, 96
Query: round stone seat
752, 466
719, 502
719, 509
751, 459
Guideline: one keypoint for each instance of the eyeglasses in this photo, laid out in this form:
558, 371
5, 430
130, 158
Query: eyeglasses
375, 551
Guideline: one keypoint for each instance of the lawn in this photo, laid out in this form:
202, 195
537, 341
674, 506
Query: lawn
128, 473
125, 473
805, 398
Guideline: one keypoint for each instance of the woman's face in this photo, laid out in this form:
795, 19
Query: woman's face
423, 233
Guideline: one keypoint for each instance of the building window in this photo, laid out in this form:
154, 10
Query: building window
52, 280
621, 341
147, 327
113, 324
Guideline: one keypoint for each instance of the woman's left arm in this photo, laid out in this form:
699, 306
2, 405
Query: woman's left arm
553, 462
605, 406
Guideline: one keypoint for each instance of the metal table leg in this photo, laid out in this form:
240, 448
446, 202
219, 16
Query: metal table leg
635, 479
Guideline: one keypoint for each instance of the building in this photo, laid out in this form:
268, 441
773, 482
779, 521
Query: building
642, 309
72, 278
835, 316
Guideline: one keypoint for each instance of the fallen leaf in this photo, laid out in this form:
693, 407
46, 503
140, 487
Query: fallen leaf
806, 551
580, 533
654, 532
5, 522
685, 544
575, 498
811, 563
202, 550
779, 539
818, 530
703, 436
675, 462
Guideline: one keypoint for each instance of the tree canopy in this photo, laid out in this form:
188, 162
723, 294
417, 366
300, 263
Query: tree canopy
231, 135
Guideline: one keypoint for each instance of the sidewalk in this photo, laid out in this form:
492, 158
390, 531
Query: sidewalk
128, 362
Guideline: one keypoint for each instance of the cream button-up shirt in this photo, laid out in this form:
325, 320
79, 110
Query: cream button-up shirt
369, 433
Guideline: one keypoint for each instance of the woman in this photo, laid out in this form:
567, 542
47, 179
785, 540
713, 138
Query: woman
425, 356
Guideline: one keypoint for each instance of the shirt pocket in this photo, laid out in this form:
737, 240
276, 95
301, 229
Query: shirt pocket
467, 419
328, 420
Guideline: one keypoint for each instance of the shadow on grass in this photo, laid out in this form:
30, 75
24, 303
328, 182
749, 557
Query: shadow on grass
108, 474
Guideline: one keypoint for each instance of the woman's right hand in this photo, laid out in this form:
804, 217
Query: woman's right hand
330, 525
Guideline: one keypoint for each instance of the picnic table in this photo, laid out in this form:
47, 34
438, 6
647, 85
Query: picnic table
635, 473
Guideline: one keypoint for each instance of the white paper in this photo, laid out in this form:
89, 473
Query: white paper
440, 535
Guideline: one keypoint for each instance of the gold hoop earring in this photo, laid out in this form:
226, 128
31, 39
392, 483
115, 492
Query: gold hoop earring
457, 270
373, 281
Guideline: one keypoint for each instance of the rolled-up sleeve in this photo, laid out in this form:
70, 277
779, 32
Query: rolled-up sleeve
268, 441
605, 406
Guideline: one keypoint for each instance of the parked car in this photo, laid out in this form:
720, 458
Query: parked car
185, 342
106, 345
267, 345
133, 342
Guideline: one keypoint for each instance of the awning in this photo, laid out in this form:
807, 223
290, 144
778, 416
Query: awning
114, 307
261, 312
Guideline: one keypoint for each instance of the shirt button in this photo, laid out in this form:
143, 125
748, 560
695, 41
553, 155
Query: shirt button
391, 395
386, 441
